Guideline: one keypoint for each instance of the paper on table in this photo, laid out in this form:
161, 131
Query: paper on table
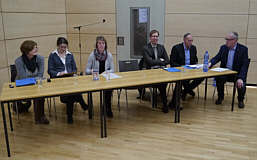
219, 69
112, 75
197, 66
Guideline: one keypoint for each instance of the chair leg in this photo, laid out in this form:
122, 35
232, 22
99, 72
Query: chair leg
168, 88
245, 97
15, 104
151, 94
143, 93
126, 98
118, 93
55, 108
198, 94
49, 106
214, 92
90, 104
227, 89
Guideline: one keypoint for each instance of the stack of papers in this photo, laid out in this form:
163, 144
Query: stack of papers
194, 66
172, 69
112, 75
189, 67
219, 69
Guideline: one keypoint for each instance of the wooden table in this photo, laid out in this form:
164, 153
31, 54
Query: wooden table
85, 84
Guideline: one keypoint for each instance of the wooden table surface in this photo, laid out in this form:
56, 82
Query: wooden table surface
82, 84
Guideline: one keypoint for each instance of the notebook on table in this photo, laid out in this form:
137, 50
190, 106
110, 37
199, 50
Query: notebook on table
25, 82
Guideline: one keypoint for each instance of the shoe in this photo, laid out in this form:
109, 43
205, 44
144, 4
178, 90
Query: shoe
165, 109
84, 106
27, 106
172, 106
192, 93
70, 120
241, 104
219, 101
43, 120
109, 114
183, 95
139, 97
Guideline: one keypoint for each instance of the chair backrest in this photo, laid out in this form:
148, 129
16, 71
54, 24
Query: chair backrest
13, 72
141, 64
249, 61
128, 65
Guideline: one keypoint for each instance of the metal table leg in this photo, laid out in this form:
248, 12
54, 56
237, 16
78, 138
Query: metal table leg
10, 116
233, 97
5, 131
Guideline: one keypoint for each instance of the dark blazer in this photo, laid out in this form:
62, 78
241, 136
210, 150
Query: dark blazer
149, 57
177, 56
55, 64
240, 63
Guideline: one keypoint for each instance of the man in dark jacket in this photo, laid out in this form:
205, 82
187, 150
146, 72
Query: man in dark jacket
185, 54
234, 56
155, 56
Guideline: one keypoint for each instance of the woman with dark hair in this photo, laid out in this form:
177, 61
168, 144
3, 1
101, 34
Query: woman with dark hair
101, 60
31, 64
62, 62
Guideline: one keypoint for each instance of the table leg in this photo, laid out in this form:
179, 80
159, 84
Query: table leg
104, 116
10, 116
101, 113
180, 89
5, 131
233, 97
90, 105
205, 94
177, 105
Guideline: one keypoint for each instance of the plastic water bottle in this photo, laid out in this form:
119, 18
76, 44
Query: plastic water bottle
205, 62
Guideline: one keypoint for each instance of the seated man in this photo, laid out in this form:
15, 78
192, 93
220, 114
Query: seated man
185, 54
155, 56
235, 57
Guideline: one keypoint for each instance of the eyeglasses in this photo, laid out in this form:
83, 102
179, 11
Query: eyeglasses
229, 39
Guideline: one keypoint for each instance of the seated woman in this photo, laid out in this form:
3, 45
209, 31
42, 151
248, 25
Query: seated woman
61, 62
101, 60
31, 64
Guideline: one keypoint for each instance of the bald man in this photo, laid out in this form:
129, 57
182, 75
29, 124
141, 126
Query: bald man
185, 53
234, 56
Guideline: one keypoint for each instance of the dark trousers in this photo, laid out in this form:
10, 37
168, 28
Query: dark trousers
39, 108
141, 91
162, 88
70, 100
108, 100
174, 95
189, 85
221, 80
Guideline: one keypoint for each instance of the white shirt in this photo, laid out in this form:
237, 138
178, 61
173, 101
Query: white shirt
63, 59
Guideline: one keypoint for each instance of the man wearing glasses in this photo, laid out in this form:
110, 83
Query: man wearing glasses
155, 56
234, 56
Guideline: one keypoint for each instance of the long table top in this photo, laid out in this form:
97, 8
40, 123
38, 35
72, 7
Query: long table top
82, 84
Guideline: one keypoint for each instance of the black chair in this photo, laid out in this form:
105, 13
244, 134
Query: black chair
126, 66
19, 106
13, 77
13, 72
